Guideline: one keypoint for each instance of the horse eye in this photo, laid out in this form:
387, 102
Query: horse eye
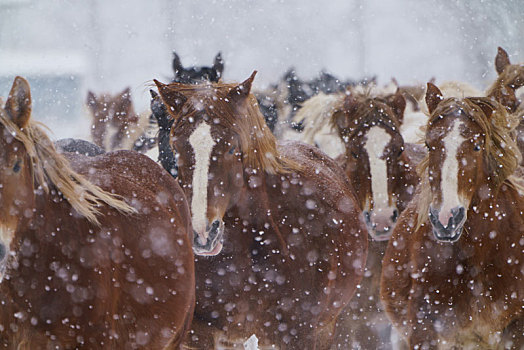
17, 166
400, 151
476, 148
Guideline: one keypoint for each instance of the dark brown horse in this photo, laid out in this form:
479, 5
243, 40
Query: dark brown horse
95, 252
195, 75
284, 237
116, 125
452, 273
385, 179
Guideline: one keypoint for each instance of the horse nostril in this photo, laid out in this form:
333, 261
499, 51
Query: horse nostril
213, 231
394, 217
458, 215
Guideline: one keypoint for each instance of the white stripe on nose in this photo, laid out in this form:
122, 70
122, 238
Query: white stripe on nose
377, 140
202, 143
449, 173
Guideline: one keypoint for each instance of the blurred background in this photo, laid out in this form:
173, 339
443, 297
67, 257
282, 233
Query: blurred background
65, 47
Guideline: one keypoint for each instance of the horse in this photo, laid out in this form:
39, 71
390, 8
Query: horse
384, 176
115, 125
194, 75
95, 252
452, 273
510, 79
281, 244
164, 120
504, 90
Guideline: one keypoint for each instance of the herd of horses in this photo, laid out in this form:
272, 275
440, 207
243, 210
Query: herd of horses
320, 214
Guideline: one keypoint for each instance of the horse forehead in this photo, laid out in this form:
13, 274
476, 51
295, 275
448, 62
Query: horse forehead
201, 138
452, 136
377, 138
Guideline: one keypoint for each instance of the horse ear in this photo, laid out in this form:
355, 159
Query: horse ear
158, 110
177, 64
91, 98
218, 66
171, 98
18, 105
242, 90
398, 104
126, 94
433, 97
502, 60
395, 82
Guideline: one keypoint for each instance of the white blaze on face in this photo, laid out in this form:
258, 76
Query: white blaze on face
202, 143
449, 173
377, 140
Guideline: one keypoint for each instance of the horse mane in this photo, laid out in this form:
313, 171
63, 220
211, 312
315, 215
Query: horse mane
369, 111
51, 169
258, 144
315, 112
501, 152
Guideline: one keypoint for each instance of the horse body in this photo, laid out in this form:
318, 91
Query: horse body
454, 280
284, 240
384, 177
80, 267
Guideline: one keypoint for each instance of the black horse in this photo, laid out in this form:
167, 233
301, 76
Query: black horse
195, 75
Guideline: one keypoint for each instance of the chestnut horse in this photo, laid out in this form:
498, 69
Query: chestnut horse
95, 252
510, 79
452, 273
115, 125
385, 179
284, 237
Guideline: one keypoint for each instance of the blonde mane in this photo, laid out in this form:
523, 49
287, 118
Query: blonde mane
51, 169
500, 148
258, 145
316, 112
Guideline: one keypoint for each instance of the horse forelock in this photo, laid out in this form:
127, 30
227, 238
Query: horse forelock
51, 169
501, 153
257, 143
368, 113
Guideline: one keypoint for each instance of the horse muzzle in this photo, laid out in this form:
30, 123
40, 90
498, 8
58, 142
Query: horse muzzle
452, 229
211, 242
380, 227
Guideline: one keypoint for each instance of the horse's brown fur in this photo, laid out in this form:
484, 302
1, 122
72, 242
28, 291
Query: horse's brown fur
470, 293
363, 323
294, 242
124, 280
115, 124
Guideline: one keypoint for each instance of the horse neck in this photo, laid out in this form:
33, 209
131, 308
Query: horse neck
504, 94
